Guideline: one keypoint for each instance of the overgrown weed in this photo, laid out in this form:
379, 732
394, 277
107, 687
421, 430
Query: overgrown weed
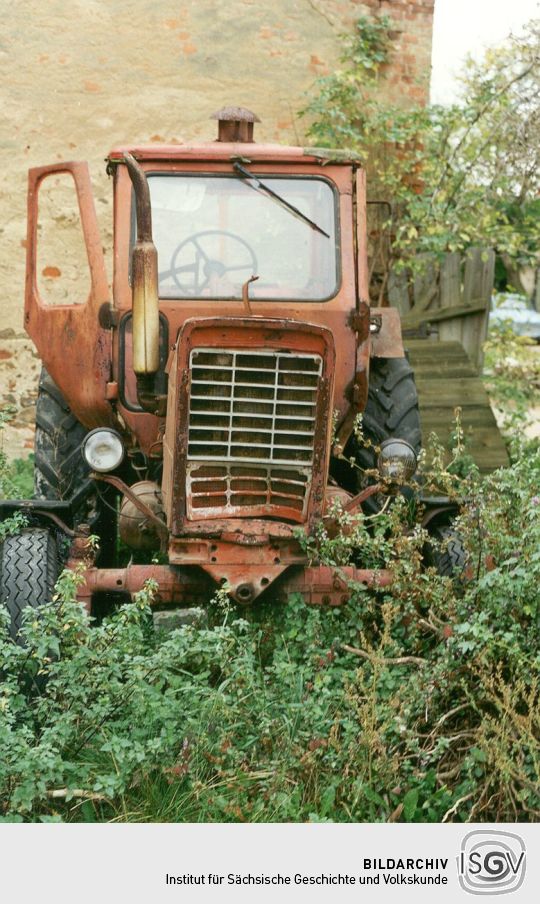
418, 704
512, 377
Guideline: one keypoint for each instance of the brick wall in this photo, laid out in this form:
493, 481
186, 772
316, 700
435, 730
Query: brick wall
408, 75
408, 72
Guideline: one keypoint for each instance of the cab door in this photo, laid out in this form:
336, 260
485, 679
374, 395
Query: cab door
73, 344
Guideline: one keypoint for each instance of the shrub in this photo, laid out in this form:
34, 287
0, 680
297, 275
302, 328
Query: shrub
420, 704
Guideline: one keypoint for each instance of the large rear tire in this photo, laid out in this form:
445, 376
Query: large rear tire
391, 411
59, 468
61, 473
28, 572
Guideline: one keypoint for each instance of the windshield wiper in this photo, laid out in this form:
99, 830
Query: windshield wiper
261, 187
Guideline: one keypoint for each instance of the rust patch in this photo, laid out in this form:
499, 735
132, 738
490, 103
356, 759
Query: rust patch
320, 585
387, 341
51, 272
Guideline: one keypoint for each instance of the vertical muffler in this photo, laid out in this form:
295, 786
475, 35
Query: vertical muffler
144, 276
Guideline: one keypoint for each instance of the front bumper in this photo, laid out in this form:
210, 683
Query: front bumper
189, 586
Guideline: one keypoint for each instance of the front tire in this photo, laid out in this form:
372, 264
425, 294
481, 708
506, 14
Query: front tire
448, 554
29, 570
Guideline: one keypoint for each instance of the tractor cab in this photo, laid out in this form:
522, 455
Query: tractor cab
215, 392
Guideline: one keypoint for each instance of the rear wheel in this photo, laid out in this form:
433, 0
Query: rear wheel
28, 572
59, 469
391, 411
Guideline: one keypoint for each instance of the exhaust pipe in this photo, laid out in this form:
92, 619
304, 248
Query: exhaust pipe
145, 295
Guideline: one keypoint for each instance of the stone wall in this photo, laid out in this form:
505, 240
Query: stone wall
81, 76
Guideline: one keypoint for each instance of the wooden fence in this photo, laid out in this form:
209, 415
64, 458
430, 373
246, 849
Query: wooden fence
448, 301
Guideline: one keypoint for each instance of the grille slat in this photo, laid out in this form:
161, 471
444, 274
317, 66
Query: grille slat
251, 432
253, 385
255, 401
236, 442
226, 493
285, 371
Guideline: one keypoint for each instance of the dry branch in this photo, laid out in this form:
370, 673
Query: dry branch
397, 660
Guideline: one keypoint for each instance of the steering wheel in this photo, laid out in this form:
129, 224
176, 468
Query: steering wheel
191, 256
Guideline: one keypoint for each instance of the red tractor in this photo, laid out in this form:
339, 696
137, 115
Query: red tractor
207, 411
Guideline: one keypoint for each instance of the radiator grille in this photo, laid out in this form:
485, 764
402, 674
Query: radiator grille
251, 431
229, 490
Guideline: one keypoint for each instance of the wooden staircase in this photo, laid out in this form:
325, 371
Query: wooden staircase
446, 378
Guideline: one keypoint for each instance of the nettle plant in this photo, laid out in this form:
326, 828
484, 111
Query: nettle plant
418, 703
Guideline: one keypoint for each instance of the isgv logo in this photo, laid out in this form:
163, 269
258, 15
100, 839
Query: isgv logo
491, 862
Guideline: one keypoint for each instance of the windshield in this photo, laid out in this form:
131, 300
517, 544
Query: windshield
212, 233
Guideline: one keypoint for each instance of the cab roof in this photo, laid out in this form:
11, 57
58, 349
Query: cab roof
225, 151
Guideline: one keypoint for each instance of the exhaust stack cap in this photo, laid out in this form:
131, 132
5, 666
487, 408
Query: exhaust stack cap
235, 124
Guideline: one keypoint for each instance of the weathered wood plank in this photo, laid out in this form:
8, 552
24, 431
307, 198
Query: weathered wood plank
440, 391
439, 315
450, 393
487, 452
446, 370
484, 453
431, 350
423, 347
398, 291
450, 295
477, 416
444, 366
425, 285
472, 276
477, 284
486, 457
432, 359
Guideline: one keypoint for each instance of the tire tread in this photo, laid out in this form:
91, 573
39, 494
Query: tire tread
28, 572
391, 409
59, 468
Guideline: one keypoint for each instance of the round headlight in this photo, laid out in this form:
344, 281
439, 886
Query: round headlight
397, 461
103, 449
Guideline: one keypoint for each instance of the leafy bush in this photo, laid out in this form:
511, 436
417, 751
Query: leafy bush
19, 481
456, 176
419, 704
16, 477
15, 481
512, 375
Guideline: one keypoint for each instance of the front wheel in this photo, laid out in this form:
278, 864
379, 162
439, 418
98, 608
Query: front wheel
447, 554
28, 572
